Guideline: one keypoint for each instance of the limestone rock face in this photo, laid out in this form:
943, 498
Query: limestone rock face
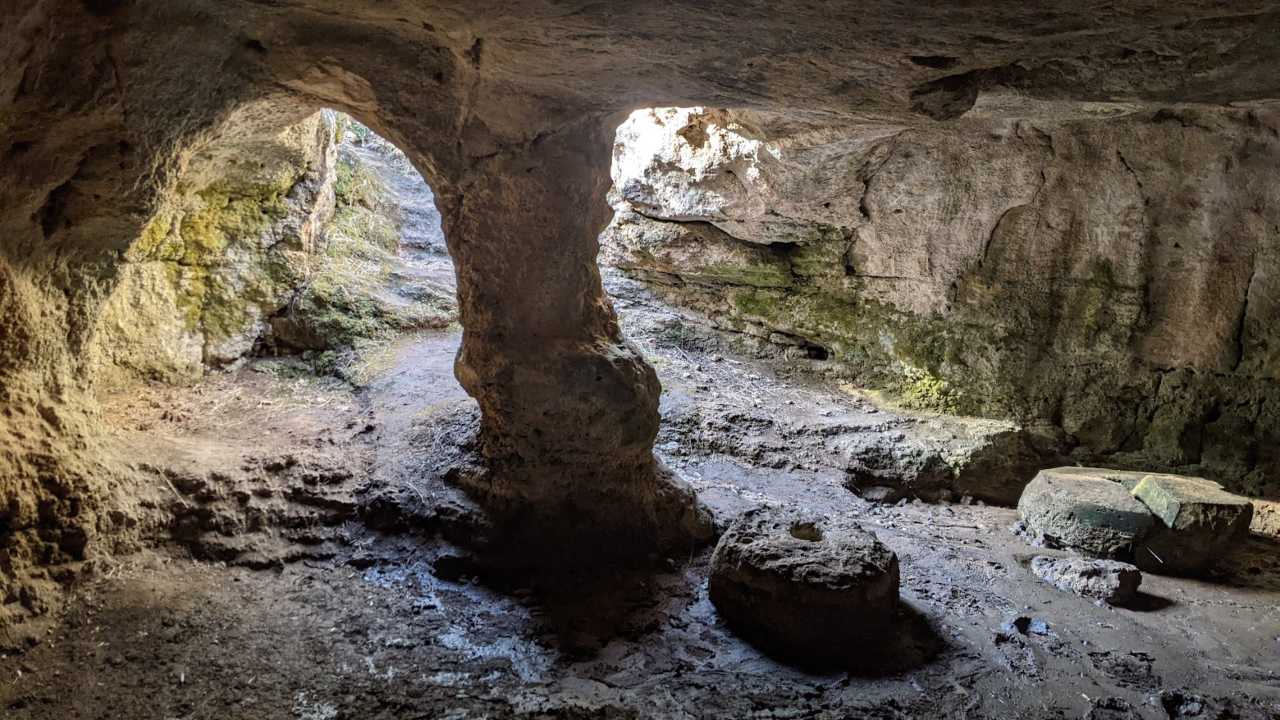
1266, 518
1086, 509
1186, 502
1107, 581
1106, 270
809, 589
1198, 523
218, 260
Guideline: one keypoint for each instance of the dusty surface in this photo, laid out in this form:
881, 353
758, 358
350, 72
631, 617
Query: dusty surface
306, 559
727, 395
346, 622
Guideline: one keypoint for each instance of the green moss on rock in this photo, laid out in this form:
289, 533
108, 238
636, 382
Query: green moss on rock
224, 213
923, 390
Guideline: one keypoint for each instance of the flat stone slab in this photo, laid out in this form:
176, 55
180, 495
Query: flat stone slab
806, 588
1199, 523
1087, 509
1107, 581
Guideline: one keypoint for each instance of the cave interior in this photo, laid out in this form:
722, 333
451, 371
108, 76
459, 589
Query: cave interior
531, 359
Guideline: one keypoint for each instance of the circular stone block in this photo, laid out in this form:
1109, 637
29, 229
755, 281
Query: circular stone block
1087, 509
805, 588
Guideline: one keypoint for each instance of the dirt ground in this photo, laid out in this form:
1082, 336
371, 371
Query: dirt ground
274, 597
305, 558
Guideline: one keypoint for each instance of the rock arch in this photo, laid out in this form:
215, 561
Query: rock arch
99, 133
507, 109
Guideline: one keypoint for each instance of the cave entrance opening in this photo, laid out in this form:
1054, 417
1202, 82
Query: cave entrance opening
315, 244
287, 323
744, 260
381, 269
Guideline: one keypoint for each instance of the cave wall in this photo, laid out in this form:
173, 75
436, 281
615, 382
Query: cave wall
1111, 277
508, 110
225, 252
161, 281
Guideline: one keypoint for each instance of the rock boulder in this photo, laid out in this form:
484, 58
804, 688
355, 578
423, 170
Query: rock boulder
807, 589
1108, 581
1086, 509
1198, 523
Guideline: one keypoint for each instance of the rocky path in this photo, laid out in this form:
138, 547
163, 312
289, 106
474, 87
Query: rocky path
422, 244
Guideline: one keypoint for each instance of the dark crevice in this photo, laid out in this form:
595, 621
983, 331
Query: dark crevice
995, 229
947, 98
713, 227
1129, 167
18, 149
52, 213
937, 62
1242, 322
103, 8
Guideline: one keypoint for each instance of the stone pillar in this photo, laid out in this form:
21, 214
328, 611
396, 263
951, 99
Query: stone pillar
569, 408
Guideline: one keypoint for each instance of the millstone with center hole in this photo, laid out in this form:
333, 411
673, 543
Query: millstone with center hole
807, 589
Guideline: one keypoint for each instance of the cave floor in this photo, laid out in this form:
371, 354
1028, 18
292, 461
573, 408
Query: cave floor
287, 586
298, 554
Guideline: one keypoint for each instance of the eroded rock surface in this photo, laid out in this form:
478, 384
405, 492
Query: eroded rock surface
508, 110
222, 256
1199, 522
1106, 272
1166, 524
811, 589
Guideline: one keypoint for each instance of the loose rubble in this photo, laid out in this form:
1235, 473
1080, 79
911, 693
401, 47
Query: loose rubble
1106, 581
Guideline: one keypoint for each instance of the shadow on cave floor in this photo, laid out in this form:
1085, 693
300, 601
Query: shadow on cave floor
349, 615
300, 556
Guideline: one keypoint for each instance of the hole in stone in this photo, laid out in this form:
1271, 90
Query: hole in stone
807, 531
816, 352
103, 7
19, 148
